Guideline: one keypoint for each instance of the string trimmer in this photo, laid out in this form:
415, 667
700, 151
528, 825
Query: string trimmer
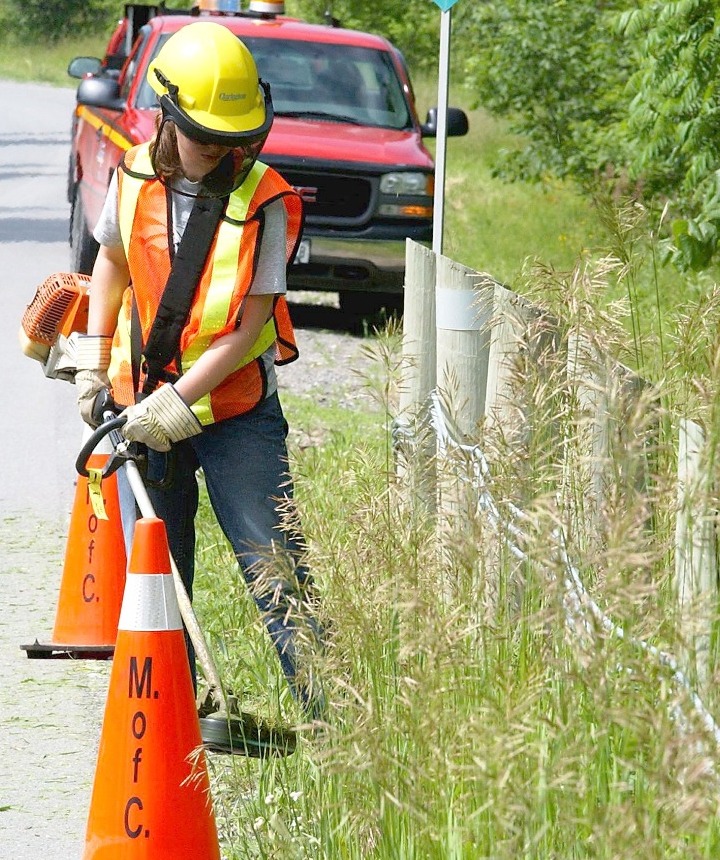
223, 726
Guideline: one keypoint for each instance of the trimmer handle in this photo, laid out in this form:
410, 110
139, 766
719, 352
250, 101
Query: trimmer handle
105, 411
115, 460
104, 407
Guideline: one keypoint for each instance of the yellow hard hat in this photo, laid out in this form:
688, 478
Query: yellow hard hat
209, 87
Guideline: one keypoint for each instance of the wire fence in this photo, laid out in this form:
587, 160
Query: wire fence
582, 613
462, 323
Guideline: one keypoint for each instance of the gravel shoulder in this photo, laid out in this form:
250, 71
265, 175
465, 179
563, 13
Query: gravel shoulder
51, 709
332, 367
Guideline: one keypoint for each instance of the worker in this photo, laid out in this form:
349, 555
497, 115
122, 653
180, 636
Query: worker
186, 325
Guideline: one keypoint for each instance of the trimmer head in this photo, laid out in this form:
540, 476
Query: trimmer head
227, 729
242, 734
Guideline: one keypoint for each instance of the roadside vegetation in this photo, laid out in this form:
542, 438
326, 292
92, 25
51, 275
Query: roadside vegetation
476, 709
475, 712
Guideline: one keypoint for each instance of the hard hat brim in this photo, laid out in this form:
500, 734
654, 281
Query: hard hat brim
210, 129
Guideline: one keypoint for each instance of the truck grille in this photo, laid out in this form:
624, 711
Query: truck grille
328, 196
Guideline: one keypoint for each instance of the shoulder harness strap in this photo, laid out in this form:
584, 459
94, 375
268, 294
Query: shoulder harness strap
174, 307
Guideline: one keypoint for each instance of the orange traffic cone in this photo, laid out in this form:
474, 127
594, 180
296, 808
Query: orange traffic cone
93, 579
151, 795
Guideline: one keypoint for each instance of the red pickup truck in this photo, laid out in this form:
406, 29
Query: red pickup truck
346, 136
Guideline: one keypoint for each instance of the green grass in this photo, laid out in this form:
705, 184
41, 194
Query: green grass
46, 64
467, 720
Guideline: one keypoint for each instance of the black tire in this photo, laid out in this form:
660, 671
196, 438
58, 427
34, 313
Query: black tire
71, 177
70, 189
371, 304
83, 247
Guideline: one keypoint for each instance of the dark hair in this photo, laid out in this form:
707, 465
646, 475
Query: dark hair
164, 150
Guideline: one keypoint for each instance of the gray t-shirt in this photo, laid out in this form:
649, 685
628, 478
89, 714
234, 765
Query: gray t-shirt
270, 273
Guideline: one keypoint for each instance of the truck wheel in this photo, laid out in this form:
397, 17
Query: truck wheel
83, 247
70, 191
371, 304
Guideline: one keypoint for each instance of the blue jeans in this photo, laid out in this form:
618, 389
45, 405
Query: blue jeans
245, 464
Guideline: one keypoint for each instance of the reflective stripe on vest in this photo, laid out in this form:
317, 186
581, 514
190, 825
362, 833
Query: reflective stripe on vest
220, 294
268, 335
224, 271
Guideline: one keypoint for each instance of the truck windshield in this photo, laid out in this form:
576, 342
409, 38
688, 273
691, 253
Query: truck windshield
336, 83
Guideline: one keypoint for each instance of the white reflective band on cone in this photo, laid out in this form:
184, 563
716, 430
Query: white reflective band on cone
149, 603
267, 6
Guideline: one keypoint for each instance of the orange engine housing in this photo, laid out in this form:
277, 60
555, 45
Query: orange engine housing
60, 307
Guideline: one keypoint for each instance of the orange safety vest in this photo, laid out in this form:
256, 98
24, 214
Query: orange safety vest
224, 284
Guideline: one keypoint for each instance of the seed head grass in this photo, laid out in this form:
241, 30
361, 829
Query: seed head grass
507, 675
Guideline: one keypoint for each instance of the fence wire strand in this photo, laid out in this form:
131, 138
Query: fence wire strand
581, 611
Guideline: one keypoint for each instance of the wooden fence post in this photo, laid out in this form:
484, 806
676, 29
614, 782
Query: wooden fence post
611, 429
587, 447
523, 359
519, 335
463, 341
695, 555
414, 443
503, 350
418, 328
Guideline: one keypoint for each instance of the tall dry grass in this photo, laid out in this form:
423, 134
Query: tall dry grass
500, 674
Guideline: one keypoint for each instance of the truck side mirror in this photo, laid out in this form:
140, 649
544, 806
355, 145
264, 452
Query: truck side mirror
457, 123
81, 67
100, 92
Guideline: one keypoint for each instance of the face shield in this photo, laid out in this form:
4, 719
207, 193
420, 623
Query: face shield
245, 146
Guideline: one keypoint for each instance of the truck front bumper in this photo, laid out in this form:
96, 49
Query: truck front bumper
364, 263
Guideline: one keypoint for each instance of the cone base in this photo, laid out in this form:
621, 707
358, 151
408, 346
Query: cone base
56, 651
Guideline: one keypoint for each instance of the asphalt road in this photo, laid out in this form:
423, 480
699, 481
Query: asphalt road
50, 710
40, 426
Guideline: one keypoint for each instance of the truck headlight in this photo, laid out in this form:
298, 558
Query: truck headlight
407, 183
407, 195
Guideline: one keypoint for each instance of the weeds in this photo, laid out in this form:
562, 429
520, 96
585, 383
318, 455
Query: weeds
500, 673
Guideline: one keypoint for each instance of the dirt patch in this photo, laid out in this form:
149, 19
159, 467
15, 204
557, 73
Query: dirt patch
333, 367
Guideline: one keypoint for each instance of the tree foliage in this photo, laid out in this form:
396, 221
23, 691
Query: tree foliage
412, 25
674, 115
40, 20
620, 88
557, 71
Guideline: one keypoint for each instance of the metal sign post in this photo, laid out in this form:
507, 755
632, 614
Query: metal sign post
440, 149
441, 137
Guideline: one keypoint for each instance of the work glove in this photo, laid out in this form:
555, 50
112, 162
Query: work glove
160, 419
92, 362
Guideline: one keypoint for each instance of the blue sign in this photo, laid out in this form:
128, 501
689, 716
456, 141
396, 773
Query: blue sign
445, 4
